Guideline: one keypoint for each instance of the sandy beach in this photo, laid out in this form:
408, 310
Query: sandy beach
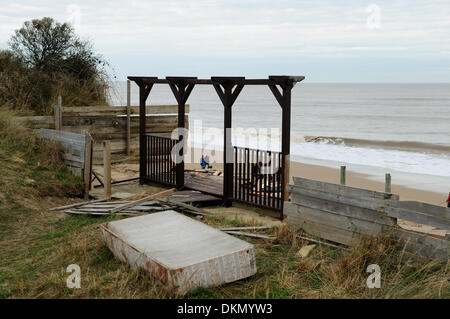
332, 175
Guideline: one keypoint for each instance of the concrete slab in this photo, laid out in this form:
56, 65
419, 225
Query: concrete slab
180, 252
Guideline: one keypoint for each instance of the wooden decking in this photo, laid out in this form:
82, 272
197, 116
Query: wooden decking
212, 185
206, 184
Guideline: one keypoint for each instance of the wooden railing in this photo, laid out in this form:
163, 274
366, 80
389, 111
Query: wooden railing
258, 177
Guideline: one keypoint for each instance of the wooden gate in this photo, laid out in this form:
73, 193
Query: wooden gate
160, 168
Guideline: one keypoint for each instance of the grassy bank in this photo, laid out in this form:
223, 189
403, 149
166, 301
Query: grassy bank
37, 245
35, 267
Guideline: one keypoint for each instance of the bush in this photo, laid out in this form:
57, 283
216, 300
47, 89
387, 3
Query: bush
46, 59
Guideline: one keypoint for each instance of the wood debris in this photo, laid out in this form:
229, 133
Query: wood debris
142, 200
305, 250
117, 208
191, 209
204, 172
245, 228
144, 204
78, 204
248, 234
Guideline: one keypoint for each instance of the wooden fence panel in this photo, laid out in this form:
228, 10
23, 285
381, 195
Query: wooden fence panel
110, 123
76, 148
341, 189
36, 122
119, 110
72, 145
391, 208
344, 215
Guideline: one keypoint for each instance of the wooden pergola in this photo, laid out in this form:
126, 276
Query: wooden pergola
228, 89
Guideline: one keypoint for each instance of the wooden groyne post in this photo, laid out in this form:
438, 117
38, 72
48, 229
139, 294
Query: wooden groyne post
387, 184
343, 175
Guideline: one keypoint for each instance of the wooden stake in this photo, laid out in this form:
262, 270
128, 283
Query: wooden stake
107, 168
343, 175
58, 114
87, 164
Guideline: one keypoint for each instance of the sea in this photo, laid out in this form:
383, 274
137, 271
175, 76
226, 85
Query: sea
401, 129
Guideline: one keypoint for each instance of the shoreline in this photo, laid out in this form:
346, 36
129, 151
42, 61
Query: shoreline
332, 175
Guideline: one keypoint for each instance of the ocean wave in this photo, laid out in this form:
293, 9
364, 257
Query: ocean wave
398, 160
255, 138
410, 157
410, 146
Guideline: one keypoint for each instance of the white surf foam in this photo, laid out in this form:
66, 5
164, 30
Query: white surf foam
339, 153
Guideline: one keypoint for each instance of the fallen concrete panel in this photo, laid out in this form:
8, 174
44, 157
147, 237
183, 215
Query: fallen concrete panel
180, 252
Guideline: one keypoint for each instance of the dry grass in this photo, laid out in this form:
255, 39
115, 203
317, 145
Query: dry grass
36, 267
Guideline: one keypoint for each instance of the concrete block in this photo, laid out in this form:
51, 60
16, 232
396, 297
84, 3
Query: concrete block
180, 252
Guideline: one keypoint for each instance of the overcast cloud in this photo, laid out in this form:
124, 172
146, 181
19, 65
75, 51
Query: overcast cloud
328, 41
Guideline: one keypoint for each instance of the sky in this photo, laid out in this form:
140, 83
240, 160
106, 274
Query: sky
326, 41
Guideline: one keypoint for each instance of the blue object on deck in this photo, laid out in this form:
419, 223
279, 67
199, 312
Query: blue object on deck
203, 162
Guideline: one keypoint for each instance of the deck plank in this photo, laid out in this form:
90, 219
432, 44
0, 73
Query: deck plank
204, 184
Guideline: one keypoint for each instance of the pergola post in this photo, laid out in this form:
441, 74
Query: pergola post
286, 84
181, 88
286, 137
228, 89
144, 91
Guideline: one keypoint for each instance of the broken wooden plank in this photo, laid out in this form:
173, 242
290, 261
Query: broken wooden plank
240, 233
442, 222
193, 209
245, 228
112, 206
79, 204
433, 232
193, 196
321, 242
107, 210
142, 200
98, 178
74, 212
424, 245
